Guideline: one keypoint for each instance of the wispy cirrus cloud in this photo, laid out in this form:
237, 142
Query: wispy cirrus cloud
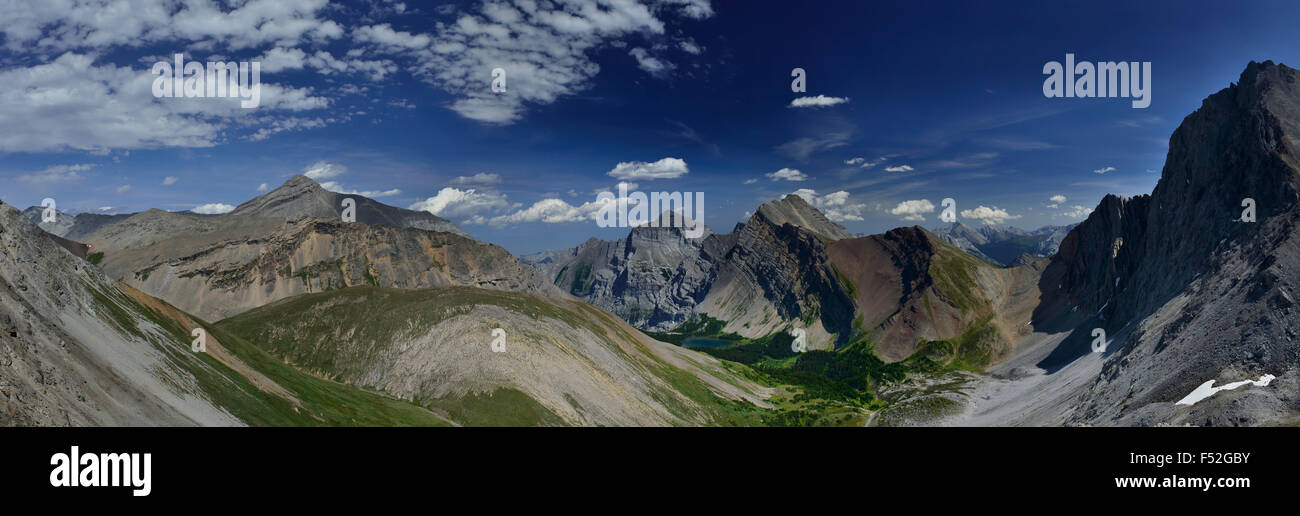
802, 148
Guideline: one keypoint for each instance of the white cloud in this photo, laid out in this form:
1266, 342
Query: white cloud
57, 174
323, 170
170, 180
1077, 212
213, 209
105, 208
454, 202
70, 103
59, 25
817, 102
899, 168
787, 174
837, 205
335, 187
913, 210
989, 215
1055, 201
326, 170
690, 47
1103, 170
667, 168
650, 64
123, 189
543, 47
863, 163
751, 181
263, 187
551, 211
481, 178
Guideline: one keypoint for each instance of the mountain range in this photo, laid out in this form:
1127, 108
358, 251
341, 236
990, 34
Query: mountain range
401, 318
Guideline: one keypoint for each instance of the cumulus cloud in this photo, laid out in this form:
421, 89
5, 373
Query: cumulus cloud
666, 168
787, 174
899, 168
1055, 201
321, 170
819, 101
1104, 170
913, 210
993, 215
837, 205
324, 170
551, 211
215, 208
454, 202
263, 187
481, 178
1077, 212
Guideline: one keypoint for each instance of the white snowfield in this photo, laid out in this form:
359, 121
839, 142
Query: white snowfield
1208, 389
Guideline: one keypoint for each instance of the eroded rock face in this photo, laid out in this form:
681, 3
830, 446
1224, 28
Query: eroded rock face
237, 264
1205, 292
775, 274
653, 278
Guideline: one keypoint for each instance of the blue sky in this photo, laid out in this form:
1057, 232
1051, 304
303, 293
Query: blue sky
393, 99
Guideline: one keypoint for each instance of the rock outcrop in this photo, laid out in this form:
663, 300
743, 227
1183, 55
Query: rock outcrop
1193, 292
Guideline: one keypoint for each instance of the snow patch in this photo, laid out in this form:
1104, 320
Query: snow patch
1208, 389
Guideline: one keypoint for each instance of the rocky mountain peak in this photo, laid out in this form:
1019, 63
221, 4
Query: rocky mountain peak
301, 197
794, 210
1241, 146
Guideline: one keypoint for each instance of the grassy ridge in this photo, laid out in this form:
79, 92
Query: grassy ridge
307, 331
323, 403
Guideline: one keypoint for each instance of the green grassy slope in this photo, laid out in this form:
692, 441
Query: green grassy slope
348, 335
322, 402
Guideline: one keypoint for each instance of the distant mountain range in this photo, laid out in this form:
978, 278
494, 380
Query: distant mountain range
1003, 246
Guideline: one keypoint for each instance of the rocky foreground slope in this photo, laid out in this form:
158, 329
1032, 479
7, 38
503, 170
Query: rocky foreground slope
76, 349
